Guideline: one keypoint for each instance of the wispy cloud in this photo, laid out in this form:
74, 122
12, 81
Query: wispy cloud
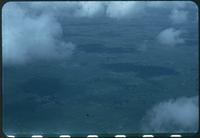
178, 16
122, 9
171, 4
170, 36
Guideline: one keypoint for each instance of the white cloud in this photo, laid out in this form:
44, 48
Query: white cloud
121, 9
170, 36
175, 115
27, 36
89, 9
178, 16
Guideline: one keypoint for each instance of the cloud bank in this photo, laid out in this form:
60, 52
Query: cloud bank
27, 37
32, 30
170, 36
92, 9
111, 9
175, 115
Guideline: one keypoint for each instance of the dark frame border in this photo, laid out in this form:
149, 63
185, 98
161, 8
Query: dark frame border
128, 135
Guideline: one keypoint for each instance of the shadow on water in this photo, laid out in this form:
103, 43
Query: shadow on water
142, 71
99, 48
